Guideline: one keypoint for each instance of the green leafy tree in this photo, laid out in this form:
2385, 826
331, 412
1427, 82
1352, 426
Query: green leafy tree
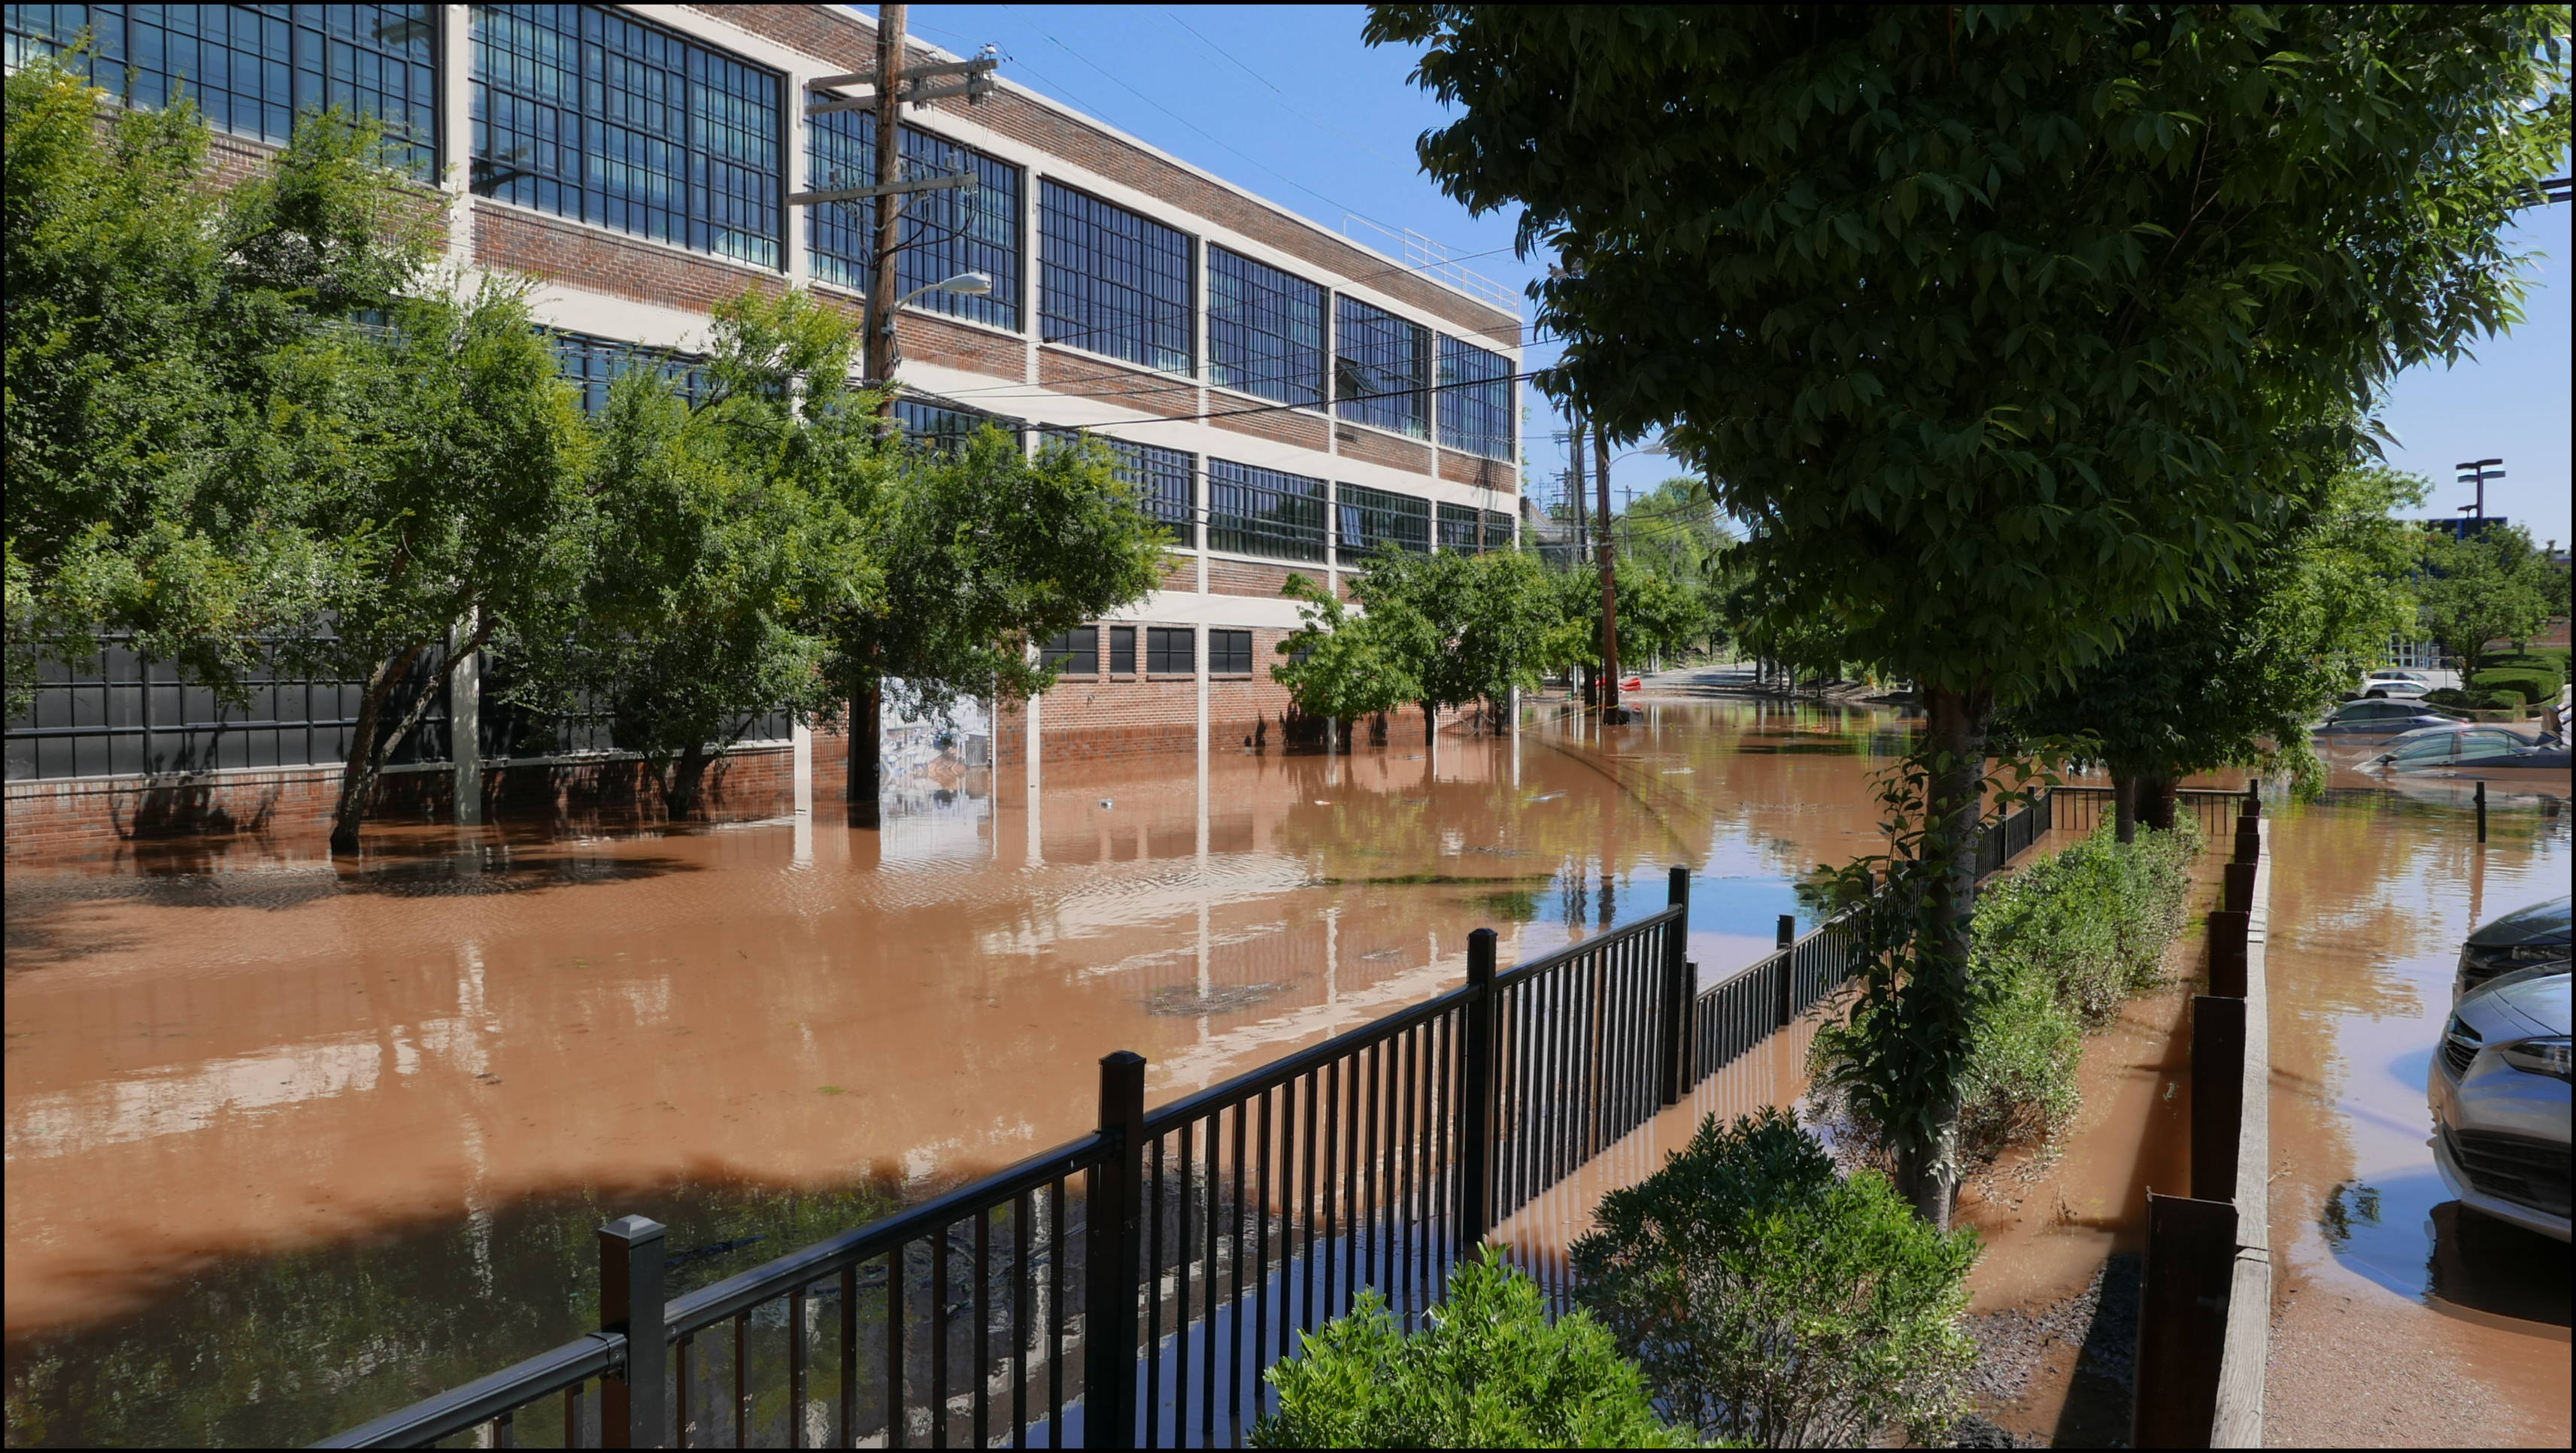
2492, 585
1465, 628
1341, 666
2238, 674
152, 489
1489, 1371
1775, 1303
981, 551
725, 541
2000, 327
1673, 530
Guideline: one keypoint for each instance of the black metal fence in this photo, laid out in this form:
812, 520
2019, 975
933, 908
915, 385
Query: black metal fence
1128, 1288
2082, 809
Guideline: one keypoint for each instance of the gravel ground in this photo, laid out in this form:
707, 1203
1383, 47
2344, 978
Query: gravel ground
2079, 1351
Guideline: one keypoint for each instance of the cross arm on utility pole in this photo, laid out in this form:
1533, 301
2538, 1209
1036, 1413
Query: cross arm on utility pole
890, 189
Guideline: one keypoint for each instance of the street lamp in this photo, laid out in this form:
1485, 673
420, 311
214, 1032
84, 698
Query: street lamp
2477, 473
965, 284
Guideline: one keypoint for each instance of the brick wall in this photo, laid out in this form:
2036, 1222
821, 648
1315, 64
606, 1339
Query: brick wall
1305, 431
930, 339
1484, 473
1180, 572
1170, 395
1382, 448
849, 44
1242, 577
545, 247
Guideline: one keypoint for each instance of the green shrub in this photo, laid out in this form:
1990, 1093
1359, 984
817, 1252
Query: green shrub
2525, 684
2059, 946
1490, 1371
1774, 1302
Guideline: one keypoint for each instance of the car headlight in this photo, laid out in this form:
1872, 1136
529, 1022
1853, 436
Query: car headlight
2538, 1056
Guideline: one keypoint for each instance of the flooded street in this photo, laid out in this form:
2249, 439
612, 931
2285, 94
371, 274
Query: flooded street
290, 1145
377, 1111
2398, 1319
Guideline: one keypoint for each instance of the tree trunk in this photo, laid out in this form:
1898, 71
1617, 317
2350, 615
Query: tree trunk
358, 775
2156, 801
680, 799
1955, 729
1430, 722
2124, 806
867, 713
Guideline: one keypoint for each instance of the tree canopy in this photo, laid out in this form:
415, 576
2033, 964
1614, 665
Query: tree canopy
2006, 330
2487, 585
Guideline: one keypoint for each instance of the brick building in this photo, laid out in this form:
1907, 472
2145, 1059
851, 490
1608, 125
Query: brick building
1289, 398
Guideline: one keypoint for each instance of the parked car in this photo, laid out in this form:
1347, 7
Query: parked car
2476, 751
2532, 936
2499, 1092
2382, 718
2395, 684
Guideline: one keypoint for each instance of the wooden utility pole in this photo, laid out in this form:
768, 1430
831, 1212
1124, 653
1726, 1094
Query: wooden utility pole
1609, 578
881, 274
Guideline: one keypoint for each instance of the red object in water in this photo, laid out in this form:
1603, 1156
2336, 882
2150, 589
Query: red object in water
1633, 683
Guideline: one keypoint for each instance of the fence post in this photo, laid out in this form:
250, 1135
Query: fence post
1784, 1007
2182, 1320
2217, 1094
2249, 839
1677, 988
2227, 938
1476, 1098
1109, 1258
2482, 811
2253, 797
630, 1303
2239, 895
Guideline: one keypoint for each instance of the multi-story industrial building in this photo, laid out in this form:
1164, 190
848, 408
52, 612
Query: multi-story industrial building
1289, 398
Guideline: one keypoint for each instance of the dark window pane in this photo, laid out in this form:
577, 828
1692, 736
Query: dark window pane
1255, 511
1371, 518
1498, 530
588, 112
1075, 653
1458, 528
239, 63
1381, 365
1165, 476
1265, 330
1169, 649
1475, 403
933, 426
960, 230
591, 364
1229, 653
1113, 282
1122, 650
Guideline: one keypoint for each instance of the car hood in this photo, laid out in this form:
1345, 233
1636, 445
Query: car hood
2518, 1005
2537, 923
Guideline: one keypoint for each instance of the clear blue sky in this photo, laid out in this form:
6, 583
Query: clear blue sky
1286, 101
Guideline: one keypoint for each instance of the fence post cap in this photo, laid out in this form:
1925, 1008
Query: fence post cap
1121, 1058
634, 1230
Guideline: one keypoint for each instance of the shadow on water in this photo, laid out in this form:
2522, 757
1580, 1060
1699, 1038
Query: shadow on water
267, 1351
2099, 1395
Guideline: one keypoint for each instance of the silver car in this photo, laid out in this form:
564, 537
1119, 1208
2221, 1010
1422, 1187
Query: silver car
2499, 1088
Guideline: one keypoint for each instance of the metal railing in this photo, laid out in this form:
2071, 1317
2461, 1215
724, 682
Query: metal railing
1141, 1309
2083, 809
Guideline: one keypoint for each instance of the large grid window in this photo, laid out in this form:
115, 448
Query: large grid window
1167, 478
1475, 406
947, 232
1458, 527
587, 112
1113, 282
1122, 650
1075, 653
1254, 511
932, 426
252, 69
1265, 330
1498, 530
1381, 368
592, 365
1170, 650
1229, 653
1371, 518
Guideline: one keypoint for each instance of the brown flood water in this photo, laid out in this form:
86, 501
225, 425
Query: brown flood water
289, 1145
